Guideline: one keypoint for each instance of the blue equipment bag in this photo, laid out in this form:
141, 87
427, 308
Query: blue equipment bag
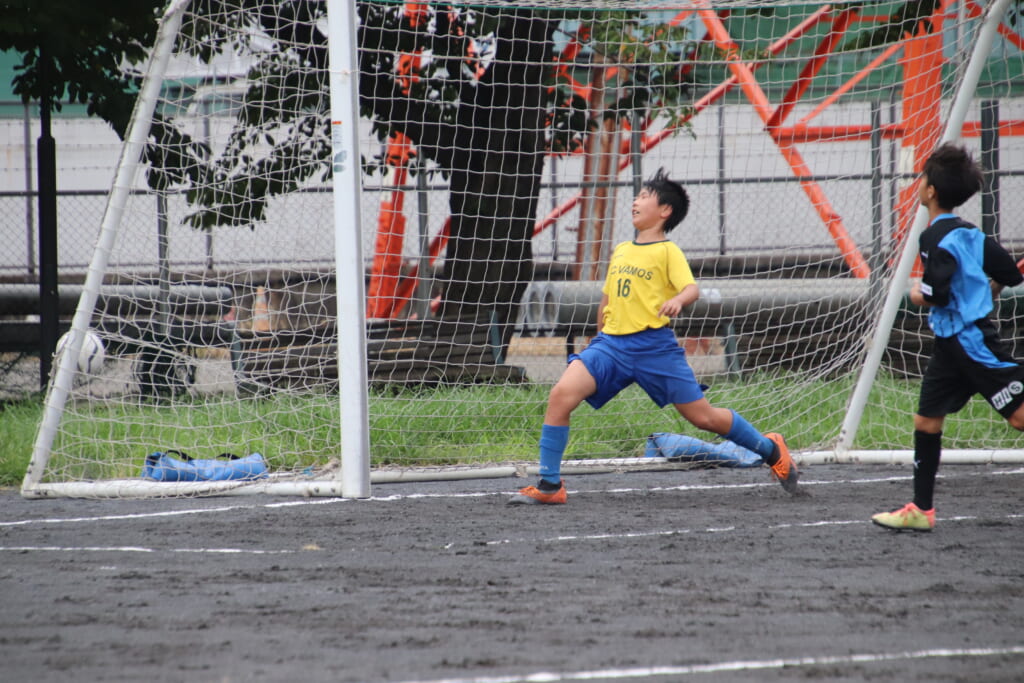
178, 466
682, 448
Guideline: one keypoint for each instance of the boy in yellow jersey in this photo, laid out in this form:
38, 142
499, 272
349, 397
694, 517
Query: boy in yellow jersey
648, 282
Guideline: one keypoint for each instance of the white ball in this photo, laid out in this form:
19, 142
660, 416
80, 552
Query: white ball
92, 355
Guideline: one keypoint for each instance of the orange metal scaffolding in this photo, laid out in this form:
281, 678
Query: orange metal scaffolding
920, 57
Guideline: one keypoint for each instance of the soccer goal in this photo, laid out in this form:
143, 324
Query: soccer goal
361, 240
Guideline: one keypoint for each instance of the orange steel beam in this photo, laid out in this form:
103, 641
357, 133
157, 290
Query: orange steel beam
846, 87
388, 291
748, 83
863, 73
707, 100
408, 284
852, 133
922, 62
812, 68
922, 90
972, 129
386, 270
382, 295
680, 17
795, 134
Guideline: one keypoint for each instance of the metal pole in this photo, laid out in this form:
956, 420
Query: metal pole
554, 205
206, 138
898, 286
131, 153
720, 184
30, 218
349, 280
875, 257
636, 140
163, 267
990, 164
425, 287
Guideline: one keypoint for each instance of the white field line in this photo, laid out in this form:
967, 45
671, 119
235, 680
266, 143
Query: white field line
505, 541
715, 530
139, 549
166, 513
732, 667
484, 494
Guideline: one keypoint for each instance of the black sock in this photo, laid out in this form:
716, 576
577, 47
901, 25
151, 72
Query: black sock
927, 449
547, 487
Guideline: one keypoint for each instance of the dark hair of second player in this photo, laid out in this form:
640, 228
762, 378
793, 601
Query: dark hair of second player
955, 176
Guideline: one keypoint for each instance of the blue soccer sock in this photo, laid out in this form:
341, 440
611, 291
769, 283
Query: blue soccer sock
744, 434
553, 440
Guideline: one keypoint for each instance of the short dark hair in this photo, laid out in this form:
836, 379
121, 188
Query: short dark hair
953, 173
672, 193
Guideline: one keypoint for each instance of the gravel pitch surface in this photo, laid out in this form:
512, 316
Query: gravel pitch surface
709, 575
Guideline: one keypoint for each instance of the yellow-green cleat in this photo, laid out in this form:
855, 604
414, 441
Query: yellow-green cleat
907, 518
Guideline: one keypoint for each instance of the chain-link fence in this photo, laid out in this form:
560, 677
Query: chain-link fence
87, 154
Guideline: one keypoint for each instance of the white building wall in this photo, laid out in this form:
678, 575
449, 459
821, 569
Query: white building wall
760, 213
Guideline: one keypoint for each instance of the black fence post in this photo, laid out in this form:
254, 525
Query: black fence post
49, 299
990, 164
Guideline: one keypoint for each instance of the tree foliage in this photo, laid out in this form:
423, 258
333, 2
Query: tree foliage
84, 47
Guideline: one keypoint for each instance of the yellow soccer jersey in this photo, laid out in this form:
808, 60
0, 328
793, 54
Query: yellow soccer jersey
641, 277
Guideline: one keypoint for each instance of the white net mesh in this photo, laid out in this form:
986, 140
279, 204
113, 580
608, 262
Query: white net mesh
501, 145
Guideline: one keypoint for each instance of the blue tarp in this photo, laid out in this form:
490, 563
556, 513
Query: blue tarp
176, 466
683, 448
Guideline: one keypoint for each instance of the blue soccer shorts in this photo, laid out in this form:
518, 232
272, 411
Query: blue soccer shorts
651, 358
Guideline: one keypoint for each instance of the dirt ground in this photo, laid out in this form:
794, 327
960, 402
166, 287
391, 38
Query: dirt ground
705, 575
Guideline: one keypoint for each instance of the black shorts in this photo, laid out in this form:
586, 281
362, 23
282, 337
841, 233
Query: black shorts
978, 362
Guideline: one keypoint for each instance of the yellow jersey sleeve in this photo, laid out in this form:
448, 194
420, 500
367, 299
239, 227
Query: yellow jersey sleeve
641, 277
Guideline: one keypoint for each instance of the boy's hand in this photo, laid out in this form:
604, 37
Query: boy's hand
916, 297
673, 306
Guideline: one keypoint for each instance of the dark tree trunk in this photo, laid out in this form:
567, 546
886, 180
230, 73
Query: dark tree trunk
499, 145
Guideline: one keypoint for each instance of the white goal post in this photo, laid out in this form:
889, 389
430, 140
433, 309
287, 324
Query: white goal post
905, 265
366, 259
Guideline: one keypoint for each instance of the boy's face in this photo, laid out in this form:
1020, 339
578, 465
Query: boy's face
647, 212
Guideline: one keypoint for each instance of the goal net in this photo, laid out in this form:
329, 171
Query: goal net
499, 146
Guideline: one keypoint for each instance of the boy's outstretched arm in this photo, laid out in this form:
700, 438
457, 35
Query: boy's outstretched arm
673, 306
